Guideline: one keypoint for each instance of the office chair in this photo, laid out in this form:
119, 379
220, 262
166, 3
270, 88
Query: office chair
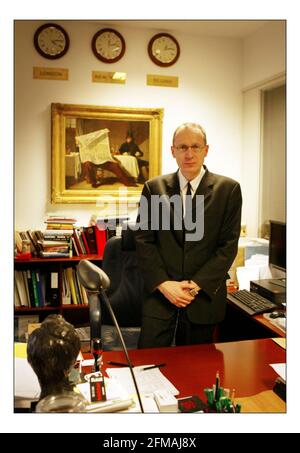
125, 293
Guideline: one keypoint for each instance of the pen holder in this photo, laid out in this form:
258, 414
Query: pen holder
218, 400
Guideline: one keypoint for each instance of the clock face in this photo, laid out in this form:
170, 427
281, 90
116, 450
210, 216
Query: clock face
163, 49
51, 41
108, 45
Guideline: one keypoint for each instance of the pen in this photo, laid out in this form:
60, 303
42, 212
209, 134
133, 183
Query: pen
217, 386
118, 363
153, 366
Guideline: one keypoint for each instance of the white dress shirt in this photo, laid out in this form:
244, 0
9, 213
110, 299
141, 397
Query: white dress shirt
183, 182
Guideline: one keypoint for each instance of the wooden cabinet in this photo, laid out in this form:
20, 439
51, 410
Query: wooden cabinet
52, 272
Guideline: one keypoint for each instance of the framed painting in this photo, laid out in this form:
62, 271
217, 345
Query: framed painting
103, 153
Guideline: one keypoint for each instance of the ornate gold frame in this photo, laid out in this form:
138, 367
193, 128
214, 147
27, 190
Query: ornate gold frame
61, 112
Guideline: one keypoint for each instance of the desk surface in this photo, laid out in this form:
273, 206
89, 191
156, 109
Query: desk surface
243, 365
259, 319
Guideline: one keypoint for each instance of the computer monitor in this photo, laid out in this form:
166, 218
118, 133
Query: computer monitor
277, 245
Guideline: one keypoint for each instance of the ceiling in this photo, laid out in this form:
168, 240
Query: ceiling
218, 28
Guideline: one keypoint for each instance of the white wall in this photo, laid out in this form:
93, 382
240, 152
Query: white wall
210, 82
264, 53
263, 68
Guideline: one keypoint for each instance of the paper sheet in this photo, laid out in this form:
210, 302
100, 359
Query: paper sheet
279, 369
148, 381
26, 382
280, 341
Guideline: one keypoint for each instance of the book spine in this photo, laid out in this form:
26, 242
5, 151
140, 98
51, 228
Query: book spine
30, 288
76, 238
66, 293
82, 245
69, 271
100, 240
91, 239
85, 242
52, 288
76, 284
35, 289
40, 288
74, 247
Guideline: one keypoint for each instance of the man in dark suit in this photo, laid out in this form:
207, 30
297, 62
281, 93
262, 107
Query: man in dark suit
185, 280
131, 148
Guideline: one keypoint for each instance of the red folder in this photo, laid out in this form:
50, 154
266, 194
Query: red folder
100, 240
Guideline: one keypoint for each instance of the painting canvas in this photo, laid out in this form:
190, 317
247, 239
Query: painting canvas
98, 151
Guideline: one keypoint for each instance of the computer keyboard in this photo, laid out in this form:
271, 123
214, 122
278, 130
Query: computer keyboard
250, 302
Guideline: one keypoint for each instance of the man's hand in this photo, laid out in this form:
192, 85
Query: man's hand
177, 292
194, 291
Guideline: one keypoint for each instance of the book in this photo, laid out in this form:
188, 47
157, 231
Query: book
74, 247
100, 235
77, 286
66, 293
55, 254
40, 288
69, 272
52, 288
21, 288
30, 288
53, 243
35, 289
91, 239
35, 247
83, 235
17, 301
76, 239
56, 235
82, 244
59, 226
24, 273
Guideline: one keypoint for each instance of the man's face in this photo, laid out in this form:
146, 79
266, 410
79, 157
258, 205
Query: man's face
189, 160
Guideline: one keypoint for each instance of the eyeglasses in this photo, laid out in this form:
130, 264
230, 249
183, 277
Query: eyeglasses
194, 148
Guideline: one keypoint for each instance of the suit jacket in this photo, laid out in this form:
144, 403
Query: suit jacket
164, 255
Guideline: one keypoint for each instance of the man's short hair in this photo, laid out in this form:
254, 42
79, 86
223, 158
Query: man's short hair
190, 126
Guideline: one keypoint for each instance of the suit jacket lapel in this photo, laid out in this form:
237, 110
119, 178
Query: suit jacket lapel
173, 188
204, 188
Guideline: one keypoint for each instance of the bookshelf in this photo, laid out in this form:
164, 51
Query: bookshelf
77, 314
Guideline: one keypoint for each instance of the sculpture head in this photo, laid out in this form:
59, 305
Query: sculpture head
52, 351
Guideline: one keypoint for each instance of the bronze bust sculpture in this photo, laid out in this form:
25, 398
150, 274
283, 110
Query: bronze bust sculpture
52, 351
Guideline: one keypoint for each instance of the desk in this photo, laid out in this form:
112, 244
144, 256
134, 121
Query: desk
238, 325
243, 365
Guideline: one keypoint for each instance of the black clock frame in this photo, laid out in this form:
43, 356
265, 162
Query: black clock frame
40, 51
100, 57
153, 58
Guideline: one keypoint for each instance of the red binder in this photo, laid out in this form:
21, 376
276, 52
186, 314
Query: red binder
100, 240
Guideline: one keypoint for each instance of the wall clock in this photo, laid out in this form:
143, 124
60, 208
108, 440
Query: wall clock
51, 41
163, 49
108, 45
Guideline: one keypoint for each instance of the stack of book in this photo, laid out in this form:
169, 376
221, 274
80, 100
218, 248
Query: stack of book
89, 240
57, 241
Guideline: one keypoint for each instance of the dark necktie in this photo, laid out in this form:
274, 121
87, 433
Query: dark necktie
188, 193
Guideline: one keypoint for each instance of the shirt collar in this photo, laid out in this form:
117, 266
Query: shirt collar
194, 182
